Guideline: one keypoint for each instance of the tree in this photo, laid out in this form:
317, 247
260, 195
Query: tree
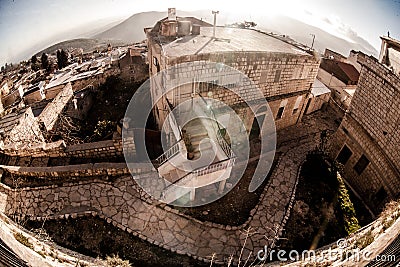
45, 61
62, 59
33, 59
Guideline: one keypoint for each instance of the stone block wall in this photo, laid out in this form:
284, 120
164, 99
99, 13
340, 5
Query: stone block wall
370, 130
279, 76
10, 99
26, 133
102, 149
76, 171
49, 116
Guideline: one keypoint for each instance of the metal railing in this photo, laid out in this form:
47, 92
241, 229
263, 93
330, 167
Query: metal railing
171, 152
188, 178
224, 145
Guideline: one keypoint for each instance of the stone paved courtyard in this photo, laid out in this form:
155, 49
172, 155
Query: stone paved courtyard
124, 205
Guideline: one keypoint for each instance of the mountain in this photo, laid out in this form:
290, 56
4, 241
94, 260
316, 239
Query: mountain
301, 32
87, 44
131, 30
83, 31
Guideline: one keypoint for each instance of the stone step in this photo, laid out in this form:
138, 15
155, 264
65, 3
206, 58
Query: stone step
195, 141
174, 175
205, 145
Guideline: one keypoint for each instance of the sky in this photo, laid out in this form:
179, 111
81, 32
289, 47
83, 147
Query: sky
26, 25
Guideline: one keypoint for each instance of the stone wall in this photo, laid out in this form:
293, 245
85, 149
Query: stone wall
49, 116
370, 130
26, 133
10, 99
133, 68
75, 171
101, 149
279, 76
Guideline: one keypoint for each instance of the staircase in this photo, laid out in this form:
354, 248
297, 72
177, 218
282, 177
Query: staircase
211, 158
196, 133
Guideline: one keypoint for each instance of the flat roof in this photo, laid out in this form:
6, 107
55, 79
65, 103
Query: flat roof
227, 40
318, 88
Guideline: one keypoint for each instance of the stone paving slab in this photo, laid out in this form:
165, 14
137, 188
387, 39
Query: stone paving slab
126, 206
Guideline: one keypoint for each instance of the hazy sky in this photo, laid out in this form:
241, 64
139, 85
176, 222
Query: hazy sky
27, 24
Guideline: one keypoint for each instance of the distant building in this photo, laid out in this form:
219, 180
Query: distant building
368, 140
340, 74
133, 64
390, 53
319, 97
20, 129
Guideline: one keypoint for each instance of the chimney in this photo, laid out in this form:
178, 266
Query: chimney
172, 13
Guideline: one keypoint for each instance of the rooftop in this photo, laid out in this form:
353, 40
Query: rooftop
345, 72
228, 40
318, 88
10, 120
391, 41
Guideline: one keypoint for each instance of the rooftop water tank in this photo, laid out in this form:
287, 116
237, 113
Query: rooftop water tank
184, 28
168, 28
195, 29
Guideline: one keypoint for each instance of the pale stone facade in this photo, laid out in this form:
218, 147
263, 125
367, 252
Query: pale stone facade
286, 73
368, 140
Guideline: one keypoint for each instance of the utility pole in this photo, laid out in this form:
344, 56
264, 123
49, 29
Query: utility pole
215, 21
312, 45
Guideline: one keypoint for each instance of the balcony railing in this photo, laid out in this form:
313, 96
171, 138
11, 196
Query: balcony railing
186, 181
171, 152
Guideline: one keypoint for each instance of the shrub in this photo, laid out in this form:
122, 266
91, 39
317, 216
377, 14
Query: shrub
23, 240
116, 261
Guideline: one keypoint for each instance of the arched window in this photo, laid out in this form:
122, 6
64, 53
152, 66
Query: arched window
297, 104
279, 115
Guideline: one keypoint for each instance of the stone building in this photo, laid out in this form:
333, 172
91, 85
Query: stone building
319, 97
282, 71
20, 129
367, 142
133, 64
390, 53
340, 76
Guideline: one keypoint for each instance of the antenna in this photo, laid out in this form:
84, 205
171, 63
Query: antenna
215, 21
312, 45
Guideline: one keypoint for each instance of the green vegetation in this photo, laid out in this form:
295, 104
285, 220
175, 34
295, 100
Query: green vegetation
324, 210
365, 240
23, 240
103, 129
116, 261
349, 214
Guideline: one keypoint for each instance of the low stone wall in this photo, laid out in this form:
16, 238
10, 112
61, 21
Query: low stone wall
102, 149
70, 171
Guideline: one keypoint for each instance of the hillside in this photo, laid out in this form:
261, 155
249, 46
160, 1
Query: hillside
131, 30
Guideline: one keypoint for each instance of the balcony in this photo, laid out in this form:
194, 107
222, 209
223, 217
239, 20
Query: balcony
200, 157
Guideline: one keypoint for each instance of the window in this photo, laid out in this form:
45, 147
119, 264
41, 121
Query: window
155, 61
297, 104
263, 77
277, 75
280, 113
361, 164
344, 155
